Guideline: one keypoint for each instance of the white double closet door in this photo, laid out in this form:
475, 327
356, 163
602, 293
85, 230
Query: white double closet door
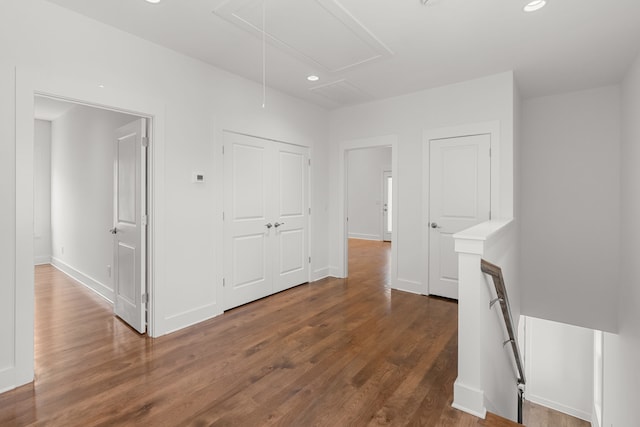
266, 212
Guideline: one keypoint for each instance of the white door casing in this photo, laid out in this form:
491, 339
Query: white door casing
341, 268
459, 198
265, 217
28, 84
387, 205
129, 225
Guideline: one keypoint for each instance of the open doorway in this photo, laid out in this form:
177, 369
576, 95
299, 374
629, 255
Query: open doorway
90, 201
369, 203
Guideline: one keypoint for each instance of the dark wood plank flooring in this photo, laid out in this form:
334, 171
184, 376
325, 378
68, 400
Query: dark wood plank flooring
332, 353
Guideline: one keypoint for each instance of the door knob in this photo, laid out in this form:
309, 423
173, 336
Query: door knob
114, 230
278, 224
269, 225
435, 225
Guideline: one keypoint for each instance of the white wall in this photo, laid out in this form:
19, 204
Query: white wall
622, 352
82, 153
518, 136
192, 104
559, 366
8, 373
571, 207
42, 191
407, 118
364, 181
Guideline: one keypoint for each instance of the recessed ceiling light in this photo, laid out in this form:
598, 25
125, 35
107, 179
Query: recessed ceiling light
153, 1
534, 5
313, 78
101, 86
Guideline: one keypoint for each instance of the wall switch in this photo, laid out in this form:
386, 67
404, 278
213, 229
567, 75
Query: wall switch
109, 270
197, 177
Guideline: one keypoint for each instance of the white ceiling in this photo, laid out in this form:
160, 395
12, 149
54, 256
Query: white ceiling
372, 49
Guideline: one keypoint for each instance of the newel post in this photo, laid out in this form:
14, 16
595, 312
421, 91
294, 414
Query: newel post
473, 300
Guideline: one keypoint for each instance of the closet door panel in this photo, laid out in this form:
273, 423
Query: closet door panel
266, 217
248, 166
291, 177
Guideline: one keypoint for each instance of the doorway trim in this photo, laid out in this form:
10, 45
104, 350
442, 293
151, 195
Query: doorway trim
28, 85
491, 128
343, 250
385, 196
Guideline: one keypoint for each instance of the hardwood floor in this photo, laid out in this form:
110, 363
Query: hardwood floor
332, 353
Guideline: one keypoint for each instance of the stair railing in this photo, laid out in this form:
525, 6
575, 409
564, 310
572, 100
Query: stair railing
501, 296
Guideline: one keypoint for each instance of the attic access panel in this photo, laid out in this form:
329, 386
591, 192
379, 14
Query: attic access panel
341, 92
321, 33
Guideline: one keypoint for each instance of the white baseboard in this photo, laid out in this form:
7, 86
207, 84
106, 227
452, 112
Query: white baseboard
491, 407
42, 260
88, 281
7, 379
559, 407
12, 377
336, 272
594, 417
320, 273
408, 286
363, 236
509, 408
469, 399
178, 321
7, 388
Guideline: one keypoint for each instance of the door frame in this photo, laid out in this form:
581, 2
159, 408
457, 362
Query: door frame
225, 189
29, 84
492, 128
385, 196
342, 270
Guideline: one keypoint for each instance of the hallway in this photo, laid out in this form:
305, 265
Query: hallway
335, 352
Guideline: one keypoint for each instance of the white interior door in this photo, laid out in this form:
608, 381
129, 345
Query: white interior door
248, 219
129, 229
266, 215
459, 198
387, 198
291, 201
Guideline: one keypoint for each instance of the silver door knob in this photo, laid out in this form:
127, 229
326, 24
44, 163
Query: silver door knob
269, 225
435, 225
114, 230
278, 224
